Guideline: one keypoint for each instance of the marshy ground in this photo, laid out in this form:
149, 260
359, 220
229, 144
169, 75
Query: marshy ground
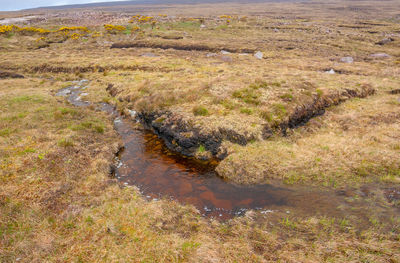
298, 95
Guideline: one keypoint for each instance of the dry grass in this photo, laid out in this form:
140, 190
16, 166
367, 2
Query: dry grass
58, 203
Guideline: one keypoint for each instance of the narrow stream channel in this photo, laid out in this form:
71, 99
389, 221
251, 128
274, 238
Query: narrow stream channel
147, 163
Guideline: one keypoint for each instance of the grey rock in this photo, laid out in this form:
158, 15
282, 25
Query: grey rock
380, 55
223, 52
258, 55
385, 41
226, 58
347, 60
150, 55
63, 92
209, 55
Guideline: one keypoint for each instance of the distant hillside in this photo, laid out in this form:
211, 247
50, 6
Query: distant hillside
158, 2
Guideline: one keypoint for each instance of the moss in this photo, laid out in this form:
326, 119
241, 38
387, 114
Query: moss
201, 149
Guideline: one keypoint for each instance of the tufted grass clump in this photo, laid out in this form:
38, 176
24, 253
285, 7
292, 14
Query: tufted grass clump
66, 142
248, 95
95, 126
246, 111
200, 111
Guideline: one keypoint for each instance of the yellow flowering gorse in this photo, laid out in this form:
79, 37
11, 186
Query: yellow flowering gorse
114, 28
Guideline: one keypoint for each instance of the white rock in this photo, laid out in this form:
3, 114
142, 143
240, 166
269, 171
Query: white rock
202, 26
223, 52
258, 55
380, 55
347, 60
132, 113
330, 71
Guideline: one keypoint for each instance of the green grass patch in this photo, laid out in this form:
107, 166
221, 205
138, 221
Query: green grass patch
266, 115
27, 98
287, 96
95, 126
248, 95
201, 149
200, 111
229, 105
279, 110
66, 142
246, 111
5, 132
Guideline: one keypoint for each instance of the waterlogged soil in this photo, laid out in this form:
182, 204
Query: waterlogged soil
147, 163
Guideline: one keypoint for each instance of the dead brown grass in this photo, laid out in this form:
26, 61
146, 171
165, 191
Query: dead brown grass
57, 202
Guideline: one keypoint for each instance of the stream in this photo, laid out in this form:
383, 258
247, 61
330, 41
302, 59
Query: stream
147, 163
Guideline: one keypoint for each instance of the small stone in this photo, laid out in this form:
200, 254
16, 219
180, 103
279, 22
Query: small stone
149, 55
276, 30
331, 71
380, 55
226, 58
258, 55
132, 113
223, 52
209, 55
347, 60
385, 41
202, 26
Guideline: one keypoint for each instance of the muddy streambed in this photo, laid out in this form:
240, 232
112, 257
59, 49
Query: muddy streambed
147, 163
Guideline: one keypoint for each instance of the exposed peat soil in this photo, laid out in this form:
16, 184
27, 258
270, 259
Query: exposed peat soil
146, 162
